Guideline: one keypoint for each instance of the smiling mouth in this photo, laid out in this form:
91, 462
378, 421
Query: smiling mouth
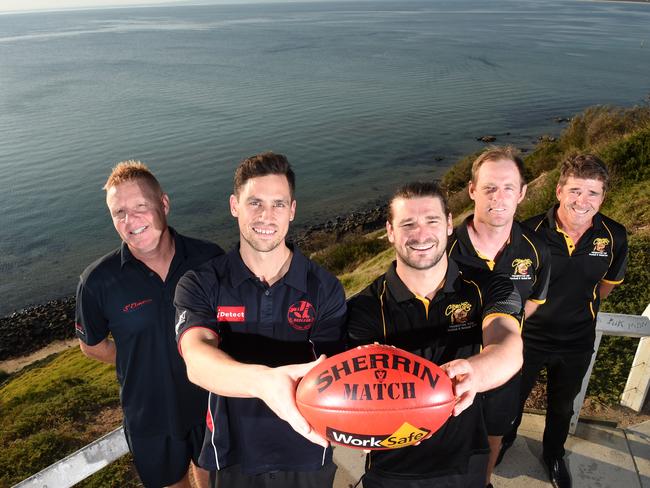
581, 212
421, 247
264, 232
139, 230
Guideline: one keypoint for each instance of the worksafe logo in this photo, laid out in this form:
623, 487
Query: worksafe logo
459, 312
301, 315
406, 435
521, 269
600, 247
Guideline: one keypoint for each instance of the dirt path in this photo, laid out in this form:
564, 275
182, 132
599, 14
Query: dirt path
16, 364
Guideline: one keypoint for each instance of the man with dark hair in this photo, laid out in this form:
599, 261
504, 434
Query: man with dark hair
492, 240
423, 304
589, 257
128, 294
250, 324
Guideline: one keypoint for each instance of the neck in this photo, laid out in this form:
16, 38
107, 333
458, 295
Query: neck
268, 266
159, 259
423, 282
575, 231
488, 239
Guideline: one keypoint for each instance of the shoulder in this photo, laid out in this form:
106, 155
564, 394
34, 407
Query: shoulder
103, 270
371, 293
618, 230
200, 249
534, 223
533, 240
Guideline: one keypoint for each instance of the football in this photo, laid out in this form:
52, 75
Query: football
376, 397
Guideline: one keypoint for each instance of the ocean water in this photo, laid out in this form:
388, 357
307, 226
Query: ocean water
359, 95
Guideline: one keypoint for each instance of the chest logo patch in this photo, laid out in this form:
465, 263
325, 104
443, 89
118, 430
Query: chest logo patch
600, 247
301, 315
132, 307
459, 312
521, 269
231, 314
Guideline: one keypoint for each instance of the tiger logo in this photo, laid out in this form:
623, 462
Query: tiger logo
521, 266
600, 244
459, 312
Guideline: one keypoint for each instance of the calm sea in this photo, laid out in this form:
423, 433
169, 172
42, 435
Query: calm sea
359, 95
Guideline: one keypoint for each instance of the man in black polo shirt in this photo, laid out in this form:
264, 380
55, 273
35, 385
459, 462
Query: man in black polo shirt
589, 256
250, 324
490, 239
129, 294
423, 304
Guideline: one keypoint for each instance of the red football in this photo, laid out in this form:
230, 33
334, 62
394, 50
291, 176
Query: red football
376, 397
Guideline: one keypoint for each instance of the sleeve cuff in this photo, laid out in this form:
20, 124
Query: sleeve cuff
610, 282
537, 301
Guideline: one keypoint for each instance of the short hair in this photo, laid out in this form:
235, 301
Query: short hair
496, 153
418, 189
585, 166
266, 163
131, 170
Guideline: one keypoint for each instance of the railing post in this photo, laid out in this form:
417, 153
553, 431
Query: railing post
638, 381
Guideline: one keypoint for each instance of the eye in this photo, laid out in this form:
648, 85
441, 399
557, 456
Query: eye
280, 204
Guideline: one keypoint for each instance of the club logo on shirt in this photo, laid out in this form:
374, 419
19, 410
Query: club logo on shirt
231, 314
600, 247
132, 307
459, 312
80, 328
181, 320
521, 269
301, 315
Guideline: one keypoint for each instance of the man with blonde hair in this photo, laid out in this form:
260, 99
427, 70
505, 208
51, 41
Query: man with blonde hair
129, 294
490, 239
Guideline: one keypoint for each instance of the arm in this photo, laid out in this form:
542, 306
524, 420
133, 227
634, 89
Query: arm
498, 361
211, 368
530, 307
605, 288
104, 351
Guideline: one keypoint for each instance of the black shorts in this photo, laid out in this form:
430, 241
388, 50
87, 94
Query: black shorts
501, 406
164, 460
474, 478
232, 477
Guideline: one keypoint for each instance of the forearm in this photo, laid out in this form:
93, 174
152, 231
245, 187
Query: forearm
104, 351
530, 307
214, 370
502, 353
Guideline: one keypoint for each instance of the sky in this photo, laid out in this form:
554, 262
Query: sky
29, 5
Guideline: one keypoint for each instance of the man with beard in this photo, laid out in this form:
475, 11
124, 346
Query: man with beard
128, 294
490, 239
245, 321
423, 304
589, 257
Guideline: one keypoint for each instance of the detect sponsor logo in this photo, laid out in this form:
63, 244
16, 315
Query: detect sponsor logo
406, 435
231, 314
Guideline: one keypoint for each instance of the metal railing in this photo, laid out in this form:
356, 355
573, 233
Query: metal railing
102, 452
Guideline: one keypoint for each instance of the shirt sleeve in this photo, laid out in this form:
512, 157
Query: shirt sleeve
329, 334
616, 271
194, 305
91, 326
364, 319
542, 275
500, 297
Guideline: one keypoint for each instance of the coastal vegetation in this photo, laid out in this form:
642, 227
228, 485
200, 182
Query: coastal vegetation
59, 404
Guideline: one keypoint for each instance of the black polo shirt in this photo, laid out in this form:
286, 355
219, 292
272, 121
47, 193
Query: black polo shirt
299, 317
445, 328
567, 321
119, 295
525, 259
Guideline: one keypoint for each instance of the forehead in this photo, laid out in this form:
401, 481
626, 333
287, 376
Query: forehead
405, 208
267, 186
500, 169
584, 183
134, 189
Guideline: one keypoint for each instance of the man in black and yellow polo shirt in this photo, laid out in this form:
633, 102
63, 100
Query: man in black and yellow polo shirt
492, 240
423, 304
588, 259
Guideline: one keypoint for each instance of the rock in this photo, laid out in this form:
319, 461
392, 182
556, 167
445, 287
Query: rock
546, 138
486, 138
560, 120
